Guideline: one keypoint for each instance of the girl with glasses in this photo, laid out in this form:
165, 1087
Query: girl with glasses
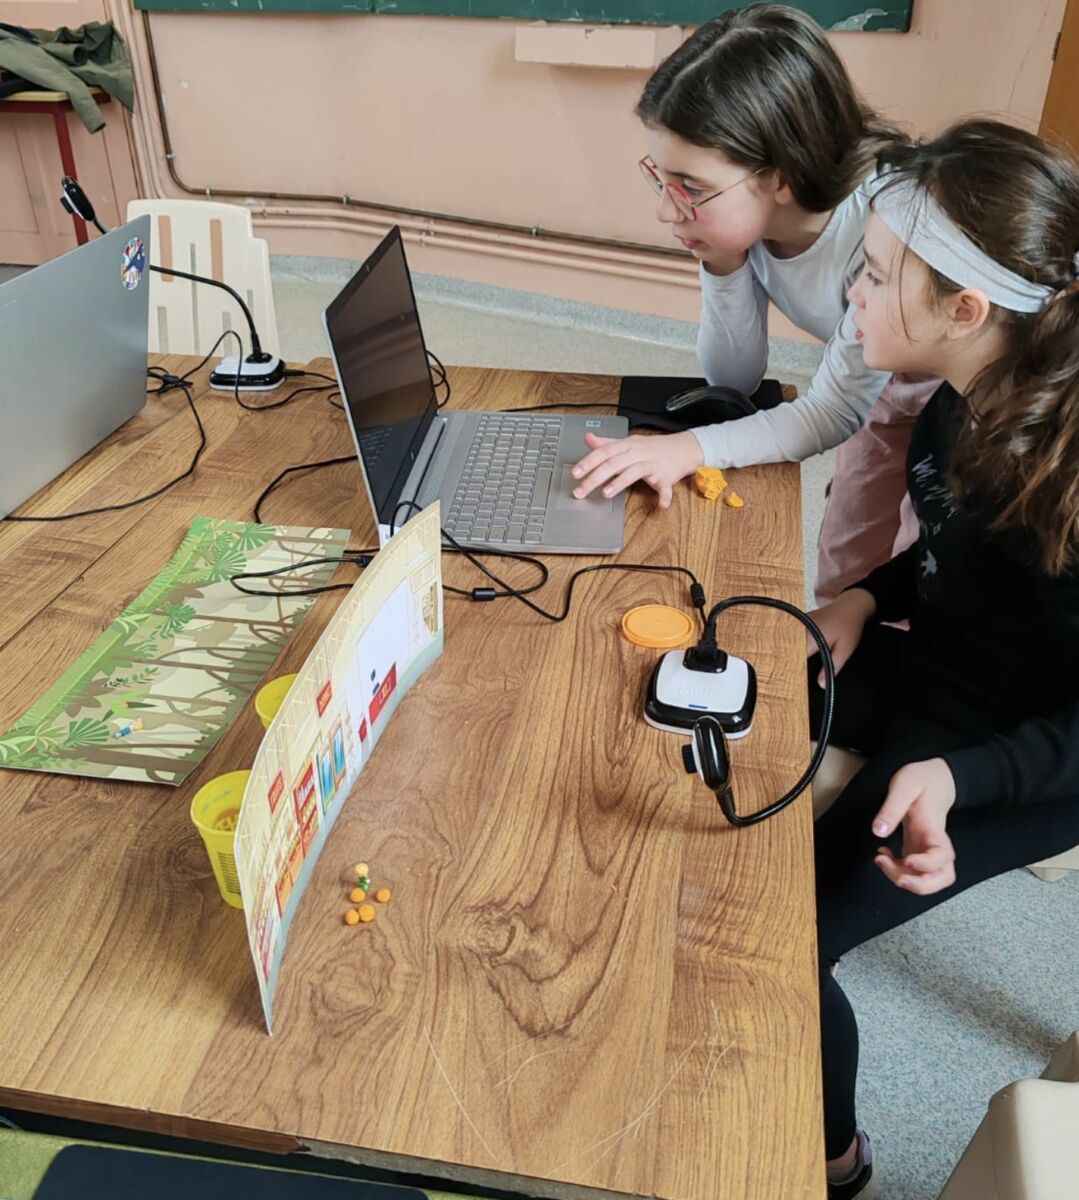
760, 151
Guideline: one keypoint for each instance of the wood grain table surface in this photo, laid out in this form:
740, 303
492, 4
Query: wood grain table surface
586, 984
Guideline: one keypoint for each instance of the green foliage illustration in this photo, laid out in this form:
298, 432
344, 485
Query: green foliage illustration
149, 699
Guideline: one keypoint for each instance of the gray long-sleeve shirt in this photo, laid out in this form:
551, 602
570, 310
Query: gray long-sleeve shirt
732, 345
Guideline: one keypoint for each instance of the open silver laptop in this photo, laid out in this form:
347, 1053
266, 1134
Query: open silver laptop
503, 478
73, 341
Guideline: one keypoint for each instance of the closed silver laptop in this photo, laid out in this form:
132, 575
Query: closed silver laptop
73, 344
503, 479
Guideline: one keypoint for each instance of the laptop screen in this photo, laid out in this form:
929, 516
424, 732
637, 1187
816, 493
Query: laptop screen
375, 334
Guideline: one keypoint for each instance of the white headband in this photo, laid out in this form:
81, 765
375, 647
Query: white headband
912, 214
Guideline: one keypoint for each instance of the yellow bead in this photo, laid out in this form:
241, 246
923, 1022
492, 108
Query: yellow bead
352, 917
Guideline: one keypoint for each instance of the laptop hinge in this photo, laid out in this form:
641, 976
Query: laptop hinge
421, 469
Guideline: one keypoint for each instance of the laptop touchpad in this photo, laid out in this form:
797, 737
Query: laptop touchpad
564, 498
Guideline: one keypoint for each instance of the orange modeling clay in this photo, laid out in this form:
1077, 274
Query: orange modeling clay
710, 482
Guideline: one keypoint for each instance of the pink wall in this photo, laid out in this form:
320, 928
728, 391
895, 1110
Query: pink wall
33, 226
438, 114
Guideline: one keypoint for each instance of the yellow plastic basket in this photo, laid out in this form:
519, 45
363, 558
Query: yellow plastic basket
269, 698
215, 809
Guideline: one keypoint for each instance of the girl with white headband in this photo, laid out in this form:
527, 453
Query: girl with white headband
760, 152
970, 721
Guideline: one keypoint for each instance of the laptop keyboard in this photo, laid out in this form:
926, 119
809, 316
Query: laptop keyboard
502, 492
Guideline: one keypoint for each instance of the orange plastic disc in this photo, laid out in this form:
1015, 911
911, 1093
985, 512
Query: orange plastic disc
657, 626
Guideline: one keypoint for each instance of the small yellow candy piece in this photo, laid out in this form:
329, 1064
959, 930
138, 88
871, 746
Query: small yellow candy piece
710, 482
361, 869
352, 917
366, 913
357, 895
383, 895
733, 500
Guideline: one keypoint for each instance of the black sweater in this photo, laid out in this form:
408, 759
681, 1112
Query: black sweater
994, 638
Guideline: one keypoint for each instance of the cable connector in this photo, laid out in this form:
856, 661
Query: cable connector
696, 595
705, 656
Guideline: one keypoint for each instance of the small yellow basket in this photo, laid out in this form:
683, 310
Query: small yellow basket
269, 698
215, 809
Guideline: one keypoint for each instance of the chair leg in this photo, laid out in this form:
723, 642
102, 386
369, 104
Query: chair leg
67, 161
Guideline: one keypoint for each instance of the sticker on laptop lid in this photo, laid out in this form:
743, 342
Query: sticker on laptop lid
132, 264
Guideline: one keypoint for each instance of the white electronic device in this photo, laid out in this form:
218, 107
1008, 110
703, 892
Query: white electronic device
678, 695
254, 376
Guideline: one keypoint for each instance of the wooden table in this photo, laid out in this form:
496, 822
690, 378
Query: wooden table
587, 982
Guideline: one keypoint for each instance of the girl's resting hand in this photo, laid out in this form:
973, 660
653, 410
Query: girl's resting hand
919, 796
617, 462
842, 622
718, 263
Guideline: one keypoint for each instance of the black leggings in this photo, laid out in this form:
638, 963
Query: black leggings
855, 900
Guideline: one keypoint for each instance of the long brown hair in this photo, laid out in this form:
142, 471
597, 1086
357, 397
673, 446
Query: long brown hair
764, 86
1017, 198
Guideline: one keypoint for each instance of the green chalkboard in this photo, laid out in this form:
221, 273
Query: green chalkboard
832, 14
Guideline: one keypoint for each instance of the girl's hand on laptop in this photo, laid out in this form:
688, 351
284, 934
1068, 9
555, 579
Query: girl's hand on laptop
615, 463
842, 622
919, 795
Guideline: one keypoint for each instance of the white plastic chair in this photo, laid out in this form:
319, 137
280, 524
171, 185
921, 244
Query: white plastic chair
838, 767
203, 237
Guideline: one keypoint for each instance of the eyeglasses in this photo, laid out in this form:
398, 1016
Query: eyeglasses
679, 198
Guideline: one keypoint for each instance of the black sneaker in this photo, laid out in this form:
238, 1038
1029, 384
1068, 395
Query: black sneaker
861, 1185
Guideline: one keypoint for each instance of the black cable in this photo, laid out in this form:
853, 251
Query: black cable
317, 375
311, 466
166, 383
725, 797
293, 395
491, 593
330, 462
291, 372
696, 590
257, 353
294, 374
441, 379
480, 594
567, 600
355, 558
